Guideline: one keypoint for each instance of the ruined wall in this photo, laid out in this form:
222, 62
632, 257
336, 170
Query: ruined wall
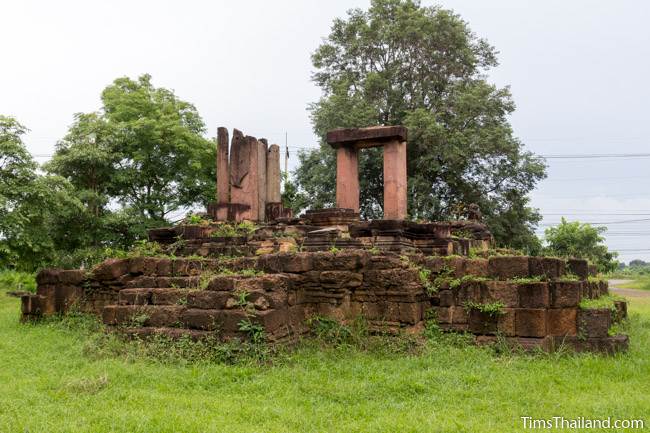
538, 302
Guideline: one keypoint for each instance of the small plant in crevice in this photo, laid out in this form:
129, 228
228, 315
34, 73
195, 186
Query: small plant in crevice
255, 331
138, 320
334, 250
490, 308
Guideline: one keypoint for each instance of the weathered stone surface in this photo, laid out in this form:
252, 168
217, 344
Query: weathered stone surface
73, 277
338, 279
169, 296
395, 184
565, 293
223, 171
111, 269
343, 261
139, 296
273, 174
508, 267
262, 150
594, 322
506, 322
579, 267
548, 267
366, 137
347, 178
208, 320
476, 267
561, 321
446, 298
482, 323
505, 292
530, 322
533, 295
48, 276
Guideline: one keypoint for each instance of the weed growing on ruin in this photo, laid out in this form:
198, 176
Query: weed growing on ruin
490, 308
334, 250
425, 278
138, 320
605, 301
569, 277
524, 280
374, 251
145, 248
255, 331
232, 230
457, 282
241, 298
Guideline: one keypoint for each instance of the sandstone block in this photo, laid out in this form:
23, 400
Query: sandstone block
72, 277
134, 296
594, 322
201, 319
476, 267
506, 322
530, 322
565, 293
508, 267
505, 292
111, 269
548, 267
561, 321
533, 295
338, 279
48, 276
579, 267
481, 322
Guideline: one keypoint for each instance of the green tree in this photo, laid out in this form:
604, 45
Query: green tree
39, 215
143, 149
401, 63
576, 239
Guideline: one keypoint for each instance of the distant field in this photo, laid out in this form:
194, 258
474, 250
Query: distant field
642, 283
54, 378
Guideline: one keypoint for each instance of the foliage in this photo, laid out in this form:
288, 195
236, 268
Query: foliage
17, 281
400, 63
605, 301
39, 215
576, 239
143, 148
231, 230
491, 308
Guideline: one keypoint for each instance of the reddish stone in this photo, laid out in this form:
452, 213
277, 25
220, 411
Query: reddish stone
533, 295
476, 267
410, 312
48, 276
506, 322
347, 178
366, 137
223, 171
594, 322
458, 315
579, 267
482, 323
561, 321
508, 267
505, 292
111, 269
443, 314
201, 319
565, 293
338, 279
73, 277
164, 268
446, 298
135, 296
548, 267
169, 296
395, 207
530, 322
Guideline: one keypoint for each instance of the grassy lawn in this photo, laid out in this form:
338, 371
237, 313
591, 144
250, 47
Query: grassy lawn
52, 381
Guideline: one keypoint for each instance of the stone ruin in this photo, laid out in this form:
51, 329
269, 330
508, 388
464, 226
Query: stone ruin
395, 274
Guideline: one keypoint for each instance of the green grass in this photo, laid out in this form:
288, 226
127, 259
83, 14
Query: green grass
54, 379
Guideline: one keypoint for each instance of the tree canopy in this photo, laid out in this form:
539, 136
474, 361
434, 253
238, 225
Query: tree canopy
144, 149
401, 63
576, 239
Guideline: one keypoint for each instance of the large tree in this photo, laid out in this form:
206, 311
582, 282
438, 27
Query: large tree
402, 63
40, 216
143, 149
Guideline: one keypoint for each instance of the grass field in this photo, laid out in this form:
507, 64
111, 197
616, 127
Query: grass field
52, 380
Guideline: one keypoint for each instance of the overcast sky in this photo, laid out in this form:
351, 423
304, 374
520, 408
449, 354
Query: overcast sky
578, 71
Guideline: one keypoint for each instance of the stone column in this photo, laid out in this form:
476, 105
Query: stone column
244, 191
395, 180
273, 174
223, 174
347, 178
262, 148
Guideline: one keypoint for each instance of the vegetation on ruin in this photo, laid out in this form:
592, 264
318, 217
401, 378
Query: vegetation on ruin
605, 301
84, 380
233, 230
490, 308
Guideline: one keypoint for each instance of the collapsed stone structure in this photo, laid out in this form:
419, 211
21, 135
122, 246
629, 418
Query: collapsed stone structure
224, 280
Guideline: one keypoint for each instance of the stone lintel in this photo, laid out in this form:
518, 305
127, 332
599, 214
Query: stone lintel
373, 136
